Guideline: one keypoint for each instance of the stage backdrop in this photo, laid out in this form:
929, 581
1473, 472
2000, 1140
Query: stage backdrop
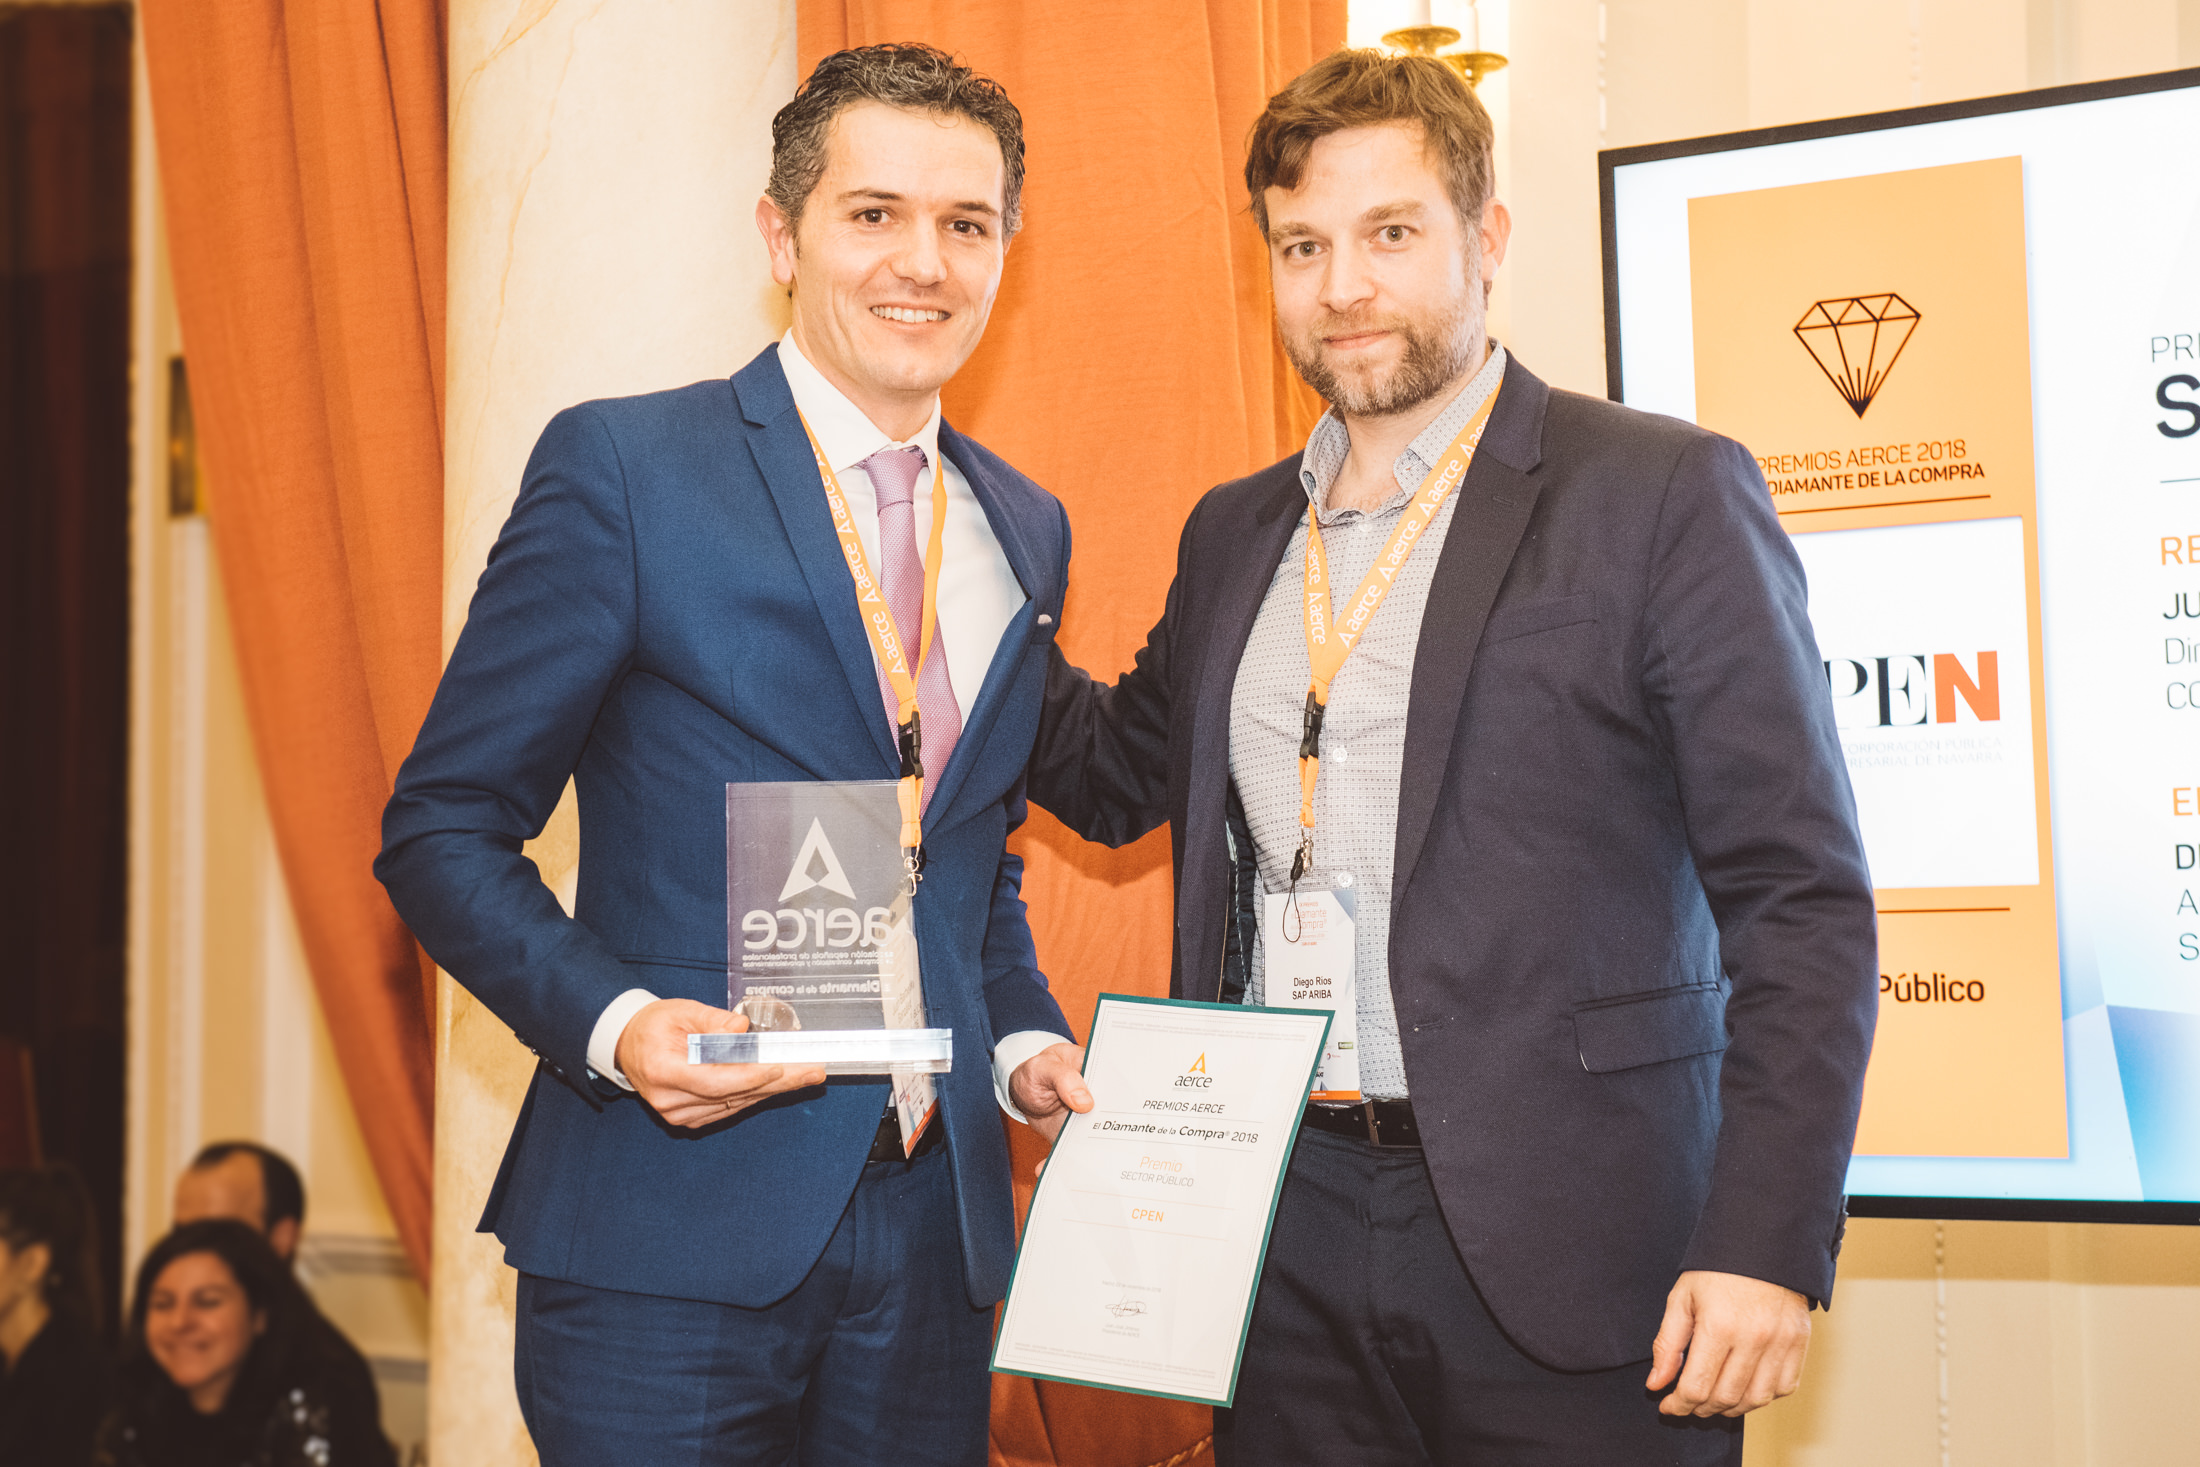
1130, 366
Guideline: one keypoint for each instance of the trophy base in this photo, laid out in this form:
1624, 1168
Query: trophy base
836, 1051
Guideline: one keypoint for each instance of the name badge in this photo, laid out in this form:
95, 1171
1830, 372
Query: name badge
1310, 961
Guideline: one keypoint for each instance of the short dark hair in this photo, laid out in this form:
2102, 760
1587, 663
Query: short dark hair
284, 1192
915, 77
1366, 89
48, 1204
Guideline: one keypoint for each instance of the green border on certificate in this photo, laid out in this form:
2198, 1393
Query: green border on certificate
1151, 1220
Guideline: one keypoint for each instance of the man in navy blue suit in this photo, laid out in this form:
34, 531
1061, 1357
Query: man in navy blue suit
742, 1263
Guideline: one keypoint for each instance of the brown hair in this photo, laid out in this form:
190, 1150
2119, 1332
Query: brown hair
1364, 89
915, 77
290, 1347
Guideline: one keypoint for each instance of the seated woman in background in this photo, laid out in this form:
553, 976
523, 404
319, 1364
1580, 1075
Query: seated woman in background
222, 1369
53, 1365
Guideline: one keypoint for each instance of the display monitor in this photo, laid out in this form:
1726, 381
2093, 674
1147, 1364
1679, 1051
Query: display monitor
1963, 344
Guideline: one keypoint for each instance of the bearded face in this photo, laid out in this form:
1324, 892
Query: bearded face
1381, 284
1437, 346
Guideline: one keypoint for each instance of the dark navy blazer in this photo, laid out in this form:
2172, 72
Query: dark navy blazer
667, 611
1632, 949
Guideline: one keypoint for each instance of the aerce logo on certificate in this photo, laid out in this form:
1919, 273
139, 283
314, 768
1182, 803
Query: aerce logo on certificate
1144, 1244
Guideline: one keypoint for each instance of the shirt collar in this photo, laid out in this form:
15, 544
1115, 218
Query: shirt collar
1330, 442
847, 436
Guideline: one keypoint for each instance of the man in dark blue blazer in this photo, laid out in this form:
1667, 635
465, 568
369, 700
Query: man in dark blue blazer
1613, 947
739, 1263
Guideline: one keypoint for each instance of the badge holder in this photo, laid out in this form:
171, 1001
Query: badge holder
1309, 960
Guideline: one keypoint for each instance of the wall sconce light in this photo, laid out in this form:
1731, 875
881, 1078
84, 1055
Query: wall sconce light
1424, 39
186, 496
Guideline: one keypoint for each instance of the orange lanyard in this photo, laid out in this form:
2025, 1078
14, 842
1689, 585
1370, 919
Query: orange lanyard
887, 641
1329, 642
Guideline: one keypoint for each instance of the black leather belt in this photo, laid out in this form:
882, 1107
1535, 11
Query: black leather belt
1377, 1122
886, 1146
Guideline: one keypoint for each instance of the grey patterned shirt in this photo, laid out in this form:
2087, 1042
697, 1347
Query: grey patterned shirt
1364, 730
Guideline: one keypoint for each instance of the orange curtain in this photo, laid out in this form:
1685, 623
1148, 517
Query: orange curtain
302, 160
1129, 367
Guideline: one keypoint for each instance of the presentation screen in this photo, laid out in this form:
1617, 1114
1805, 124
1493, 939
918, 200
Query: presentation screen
1963, 343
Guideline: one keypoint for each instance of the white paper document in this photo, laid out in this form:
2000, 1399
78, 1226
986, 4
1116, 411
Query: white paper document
1143, 1248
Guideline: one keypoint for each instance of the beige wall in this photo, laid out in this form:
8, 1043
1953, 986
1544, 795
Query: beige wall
605, 164
2062, 1346
1586, 76
226, 1039
2025, 1345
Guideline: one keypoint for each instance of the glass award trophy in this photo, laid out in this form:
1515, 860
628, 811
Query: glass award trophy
821, 954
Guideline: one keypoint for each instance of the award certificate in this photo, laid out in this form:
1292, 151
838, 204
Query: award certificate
1146, 1234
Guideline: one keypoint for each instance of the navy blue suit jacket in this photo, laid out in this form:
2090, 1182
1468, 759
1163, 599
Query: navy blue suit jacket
1632, 950
665, 612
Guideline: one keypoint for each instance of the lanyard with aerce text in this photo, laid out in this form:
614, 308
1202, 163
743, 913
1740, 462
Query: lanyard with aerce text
1329, 642
888, 643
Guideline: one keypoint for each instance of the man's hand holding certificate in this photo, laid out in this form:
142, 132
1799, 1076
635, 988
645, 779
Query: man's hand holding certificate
1145, 1237
1049, 1087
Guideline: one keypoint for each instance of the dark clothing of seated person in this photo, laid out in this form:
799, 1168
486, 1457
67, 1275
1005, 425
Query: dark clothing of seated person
224, 1367
53, 1365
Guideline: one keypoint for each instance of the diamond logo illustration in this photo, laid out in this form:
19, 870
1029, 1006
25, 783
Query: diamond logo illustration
1855, 340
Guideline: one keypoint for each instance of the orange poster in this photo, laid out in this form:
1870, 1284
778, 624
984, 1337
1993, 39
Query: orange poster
1868, 339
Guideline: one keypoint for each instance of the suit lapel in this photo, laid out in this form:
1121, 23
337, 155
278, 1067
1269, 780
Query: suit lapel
1245, 578
1492, 514
783, 458
1012, 516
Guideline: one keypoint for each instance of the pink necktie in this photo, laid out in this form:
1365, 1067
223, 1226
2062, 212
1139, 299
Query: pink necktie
894, 473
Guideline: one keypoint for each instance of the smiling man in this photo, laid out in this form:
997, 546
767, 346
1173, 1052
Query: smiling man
1493, 723
735, 1263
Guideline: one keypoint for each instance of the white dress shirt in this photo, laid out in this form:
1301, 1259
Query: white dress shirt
975, 606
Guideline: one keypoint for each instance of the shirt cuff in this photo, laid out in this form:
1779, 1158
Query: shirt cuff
1010, 1053
603, 1040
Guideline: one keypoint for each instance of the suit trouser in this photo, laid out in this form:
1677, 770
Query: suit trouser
1370, 1345
876, 1356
